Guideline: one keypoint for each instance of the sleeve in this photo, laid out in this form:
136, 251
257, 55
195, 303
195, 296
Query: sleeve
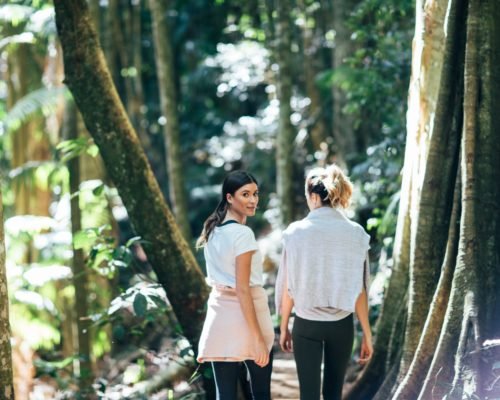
244, 241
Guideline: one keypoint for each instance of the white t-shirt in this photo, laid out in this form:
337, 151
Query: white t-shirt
224, 245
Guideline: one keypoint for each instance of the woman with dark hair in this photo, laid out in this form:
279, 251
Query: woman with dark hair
238, 326
324, 275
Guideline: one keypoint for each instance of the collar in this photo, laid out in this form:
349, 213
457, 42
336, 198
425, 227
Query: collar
325, 211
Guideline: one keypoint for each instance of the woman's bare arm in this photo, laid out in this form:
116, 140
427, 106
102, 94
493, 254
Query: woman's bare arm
243, 269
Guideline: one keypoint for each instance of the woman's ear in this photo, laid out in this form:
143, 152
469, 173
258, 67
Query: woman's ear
229, 198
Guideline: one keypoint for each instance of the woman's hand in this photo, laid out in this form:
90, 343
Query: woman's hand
261, 353
286, 340
366, 350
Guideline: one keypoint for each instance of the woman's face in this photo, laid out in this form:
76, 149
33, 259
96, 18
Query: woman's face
244, 201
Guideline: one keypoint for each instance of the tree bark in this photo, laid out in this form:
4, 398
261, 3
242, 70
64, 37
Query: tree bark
78, 266
6, 378
454, 129
105, 118
439, 139
286, 136
165, 67
411, 384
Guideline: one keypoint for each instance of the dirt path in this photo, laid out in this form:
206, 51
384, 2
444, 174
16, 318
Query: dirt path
284, 384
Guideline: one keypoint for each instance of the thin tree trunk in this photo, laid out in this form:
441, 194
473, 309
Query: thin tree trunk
286, 136
343, 132
80, 281
6, 379
29, 141
137, 101
165, 67
108, 39
317, 128
90, 82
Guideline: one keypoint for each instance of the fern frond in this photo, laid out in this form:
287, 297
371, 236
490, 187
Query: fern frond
42, 100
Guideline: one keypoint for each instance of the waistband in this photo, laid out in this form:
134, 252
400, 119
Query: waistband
228, 290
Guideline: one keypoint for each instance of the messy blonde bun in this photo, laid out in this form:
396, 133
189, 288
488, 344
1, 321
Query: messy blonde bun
331, 184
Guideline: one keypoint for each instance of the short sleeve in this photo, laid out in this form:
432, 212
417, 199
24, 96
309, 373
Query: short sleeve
244, 241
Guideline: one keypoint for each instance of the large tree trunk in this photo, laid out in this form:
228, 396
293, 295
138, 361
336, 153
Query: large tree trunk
80, 275
165, 68
455, 234
6, 382
105, 118
286, 136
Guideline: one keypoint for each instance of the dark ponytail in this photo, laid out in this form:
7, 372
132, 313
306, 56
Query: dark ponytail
211, 222
231, 184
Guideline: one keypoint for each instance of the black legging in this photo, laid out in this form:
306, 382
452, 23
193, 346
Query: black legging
310, 340
226, 379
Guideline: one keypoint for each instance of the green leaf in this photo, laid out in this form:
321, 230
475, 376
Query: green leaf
72, 148
119, 332
93, 150
140, 305
159, 301
83, 239
133, 240
97, 191
187, 351
50, 366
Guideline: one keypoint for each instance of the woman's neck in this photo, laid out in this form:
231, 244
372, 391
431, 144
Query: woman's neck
242, 219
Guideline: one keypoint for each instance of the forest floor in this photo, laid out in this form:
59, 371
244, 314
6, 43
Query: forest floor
284, 383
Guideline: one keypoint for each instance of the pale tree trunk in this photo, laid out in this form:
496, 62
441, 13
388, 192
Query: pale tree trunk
455, 233
80, 274
437, 172
105, 118
29, 141
343, 129
165, 68
6, 379
286, 134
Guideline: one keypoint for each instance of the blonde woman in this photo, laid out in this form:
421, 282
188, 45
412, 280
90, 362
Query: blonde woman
324, 275
238, 326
